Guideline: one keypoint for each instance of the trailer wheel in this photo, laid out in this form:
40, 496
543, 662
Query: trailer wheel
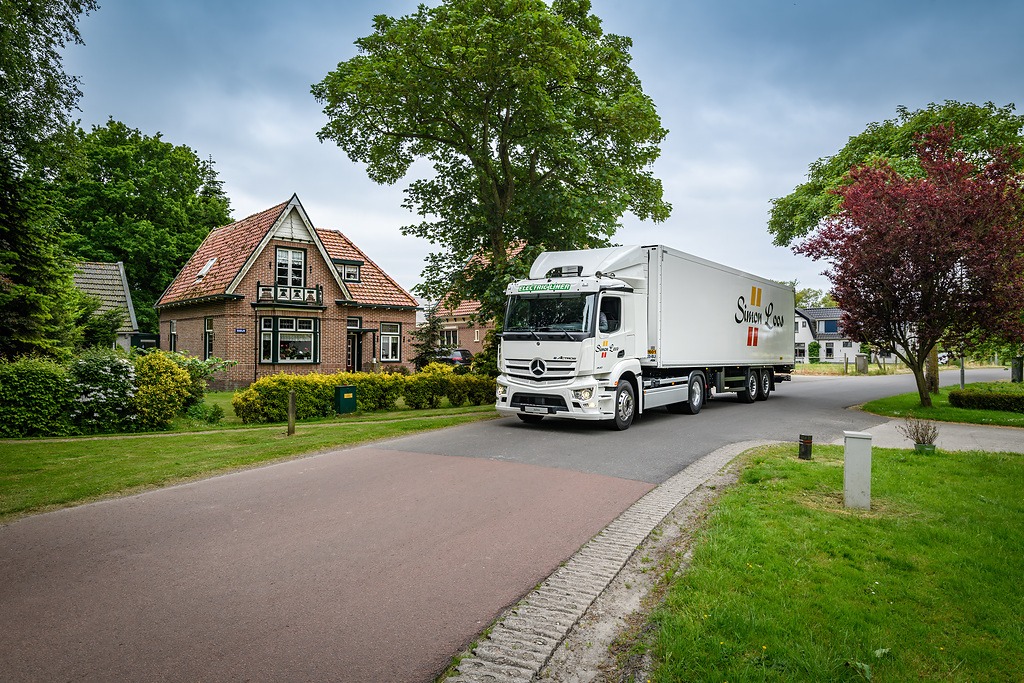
748, 394
764, 387
529, 419
625, 406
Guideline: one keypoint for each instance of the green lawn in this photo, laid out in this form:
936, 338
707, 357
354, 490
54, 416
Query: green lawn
42, 474
909, 405
788, 585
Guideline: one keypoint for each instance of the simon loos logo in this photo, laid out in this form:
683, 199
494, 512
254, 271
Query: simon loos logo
750, 313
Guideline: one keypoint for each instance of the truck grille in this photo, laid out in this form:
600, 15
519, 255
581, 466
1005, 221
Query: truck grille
540, 369
519, 400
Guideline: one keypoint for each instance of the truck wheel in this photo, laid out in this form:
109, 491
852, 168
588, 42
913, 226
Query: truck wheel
748, 394
530, 419
764, 386
625, 406
695, 394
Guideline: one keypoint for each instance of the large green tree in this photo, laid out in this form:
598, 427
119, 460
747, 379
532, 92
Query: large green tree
135, 198
537, 128
37, 303
979, 129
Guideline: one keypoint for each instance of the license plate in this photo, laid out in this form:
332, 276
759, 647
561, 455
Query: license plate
536, 409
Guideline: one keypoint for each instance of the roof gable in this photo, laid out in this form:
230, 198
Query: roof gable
375, 288
226, 255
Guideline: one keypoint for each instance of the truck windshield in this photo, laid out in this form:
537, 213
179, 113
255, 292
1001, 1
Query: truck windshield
568, 316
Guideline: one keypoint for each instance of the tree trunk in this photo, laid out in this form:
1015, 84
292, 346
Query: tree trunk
922, 387
932, 373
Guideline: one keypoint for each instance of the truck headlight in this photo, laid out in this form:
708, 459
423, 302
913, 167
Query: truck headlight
501, 390
583, 394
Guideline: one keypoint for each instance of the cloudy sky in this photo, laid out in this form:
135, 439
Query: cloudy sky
751, 91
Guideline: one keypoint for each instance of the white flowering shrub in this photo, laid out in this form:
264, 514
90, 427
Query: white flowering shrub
103, 386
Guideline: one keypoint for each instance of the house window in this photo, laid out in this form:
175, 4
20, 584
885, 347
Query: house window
350, 273
208, 339
354, 323
801, 350
450, 338
829, 351
172, 335
289, 340
830, 326
390, 342
847, 345
476, 335
291, 267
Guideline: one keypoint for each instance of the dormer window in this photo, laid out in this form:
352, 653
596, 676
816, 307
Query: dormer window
350, 273
205, 269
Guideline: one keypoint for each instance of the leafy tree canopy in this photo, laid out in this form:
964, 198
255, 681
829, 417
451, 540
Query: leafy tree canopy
537, 128
135, 198
37, 305
919, 260
808, 297
980, 130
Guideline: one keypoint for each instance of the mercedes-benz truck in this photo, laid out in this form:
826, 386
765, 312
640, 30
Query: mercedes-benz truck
607, 334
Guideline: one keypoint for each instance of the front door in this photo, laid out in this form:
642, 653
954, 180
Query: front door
354, 352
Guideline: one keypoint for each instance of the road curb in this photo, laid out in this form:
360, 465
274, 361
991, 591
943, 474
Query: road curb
525, 637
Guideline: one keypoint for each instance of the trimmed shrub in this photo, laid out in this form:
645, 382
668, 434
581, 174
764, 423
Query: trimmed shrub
989, 396
103, 385
481, 389
373, 391
266, 399
34, 398
208, 414
164, 390
458, 389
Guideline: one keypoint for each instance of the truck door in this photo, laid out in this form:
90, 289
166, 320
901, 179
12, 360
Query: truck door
611, 332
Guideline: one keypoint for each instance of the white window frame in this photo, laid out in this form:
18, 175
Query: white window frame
450, 338
350, 273
390, 342
208, 338
294, 261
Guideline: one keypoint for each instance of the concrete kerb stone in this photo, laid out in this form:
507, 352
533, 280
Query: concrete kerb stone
524, 638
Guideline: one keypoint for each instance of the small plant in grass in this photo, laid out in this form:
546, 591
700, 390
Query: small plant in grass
919, 431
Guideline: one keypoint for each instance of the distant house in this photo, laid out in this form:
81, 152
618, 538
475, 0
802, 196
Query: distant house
823, 325
108, 283
276, 295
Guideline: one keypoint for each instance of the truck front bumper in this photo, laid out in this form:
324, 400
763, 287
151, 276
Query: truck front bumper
579, 401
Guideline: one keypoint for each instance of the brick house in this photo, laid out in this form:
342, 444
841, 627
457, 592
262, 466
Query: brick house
277, 295
461, 330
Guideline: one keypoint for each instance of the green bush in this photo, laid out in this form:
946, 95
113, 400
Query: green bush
458, 389
199, 372
481, 389
34, 398
204, 413
814, 352
103, 385
374, 391
989, 396
164, 390
266, 399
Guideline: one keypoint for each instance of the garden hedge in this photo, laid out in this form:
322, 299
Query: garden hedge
990, 396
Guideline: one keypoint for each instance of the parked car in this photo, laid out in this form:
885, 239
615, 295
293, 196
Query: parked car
456, 357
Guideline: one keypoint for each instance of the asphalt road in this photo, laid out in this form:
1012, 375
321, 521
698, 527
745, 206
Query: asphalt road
368, 564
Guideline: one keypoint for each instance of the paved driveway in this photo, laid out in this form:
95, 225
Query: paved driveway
368, 564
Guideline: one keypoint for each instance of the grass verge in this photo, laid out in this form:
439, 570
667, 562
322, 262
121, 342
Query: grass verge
786, 584
908, 405
38, 475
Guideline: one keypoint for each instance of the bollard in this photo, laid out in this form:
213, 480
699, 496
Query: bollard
857, 470
291, 412
806, 440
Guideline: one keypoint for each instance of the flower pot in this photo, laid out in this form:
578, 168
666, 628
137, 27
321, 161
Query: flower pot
926, 448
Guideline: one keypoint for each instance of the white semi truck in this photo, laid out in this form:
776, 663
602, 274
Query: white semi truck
606, 334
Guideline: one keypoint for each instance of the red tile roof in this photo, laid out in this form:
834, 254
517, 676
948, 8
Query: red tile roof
231, 245
375, 288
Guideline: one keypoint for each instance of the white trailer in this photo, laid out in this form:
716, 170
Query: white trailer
606, 334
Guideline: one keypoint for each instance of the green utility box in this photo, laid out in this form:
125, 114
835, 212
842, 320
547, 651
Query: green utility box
344, 399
